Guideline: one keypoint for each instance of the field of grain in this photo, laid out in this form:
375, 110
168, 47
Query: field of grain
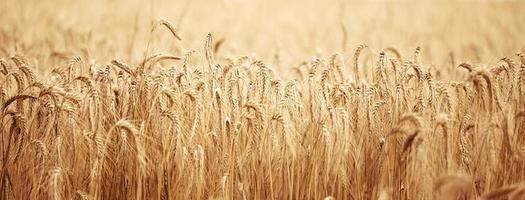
262, 99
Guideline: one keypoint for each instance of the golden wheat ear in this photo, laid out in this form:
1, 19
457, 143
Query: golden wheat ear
168, 25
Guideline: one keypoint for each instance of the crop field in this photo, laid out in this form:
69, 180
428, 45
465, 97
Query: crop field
262, 99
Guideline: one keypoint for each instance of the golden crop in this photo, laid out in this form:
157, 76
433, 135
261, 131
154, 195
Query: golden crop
251, 99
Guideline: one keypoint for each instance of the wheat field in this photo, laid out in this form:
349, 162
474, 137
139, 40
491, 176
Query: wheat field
253, 99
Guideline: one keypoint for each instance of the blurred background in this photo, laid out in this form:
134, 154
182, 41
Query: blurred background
479, 31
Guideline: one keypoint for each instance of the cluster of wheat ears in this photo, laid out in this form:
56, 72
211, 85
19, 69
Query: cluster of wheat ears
235, 129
